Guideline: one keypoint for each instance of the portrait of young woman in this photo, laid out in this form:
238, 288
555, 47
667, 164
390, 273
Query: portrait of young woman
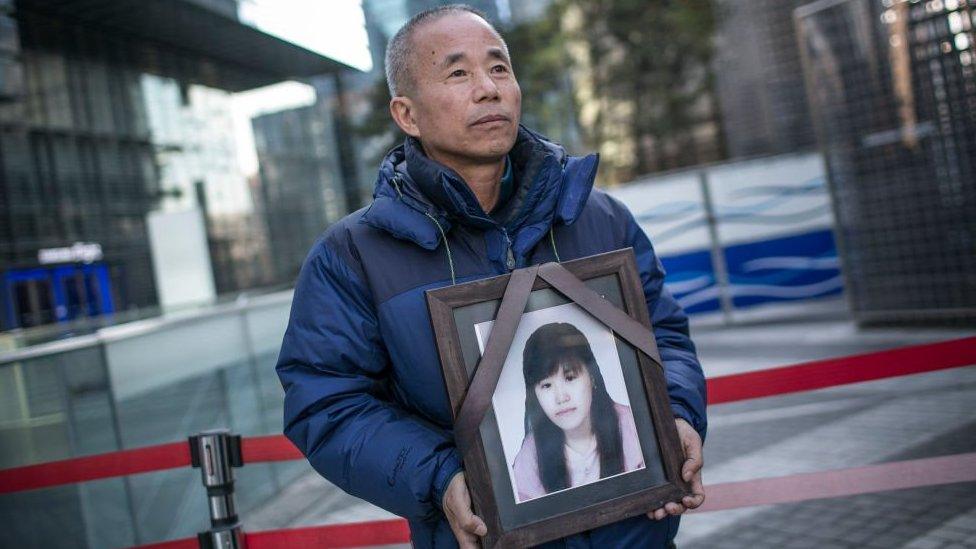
562, 405
575, 432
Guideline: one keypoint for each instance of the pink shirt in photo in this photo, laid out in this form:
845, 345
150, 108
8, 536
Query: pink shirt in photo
582, 469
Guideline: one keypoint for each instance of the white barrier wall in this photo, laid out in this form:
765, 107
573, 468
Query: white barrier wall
769, 238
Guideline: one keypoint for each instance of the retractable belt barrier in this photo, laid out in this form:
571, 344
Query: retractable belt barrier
883, 477
724, 389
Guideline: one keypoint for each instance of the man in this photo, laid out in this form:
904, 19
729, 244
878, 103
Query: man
470, 194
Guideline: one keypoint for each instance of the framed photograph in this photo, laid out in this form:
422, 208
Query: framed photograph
559, 398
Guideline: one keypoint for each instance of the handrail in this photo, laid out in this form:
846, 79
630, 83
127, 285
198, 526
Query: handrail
137, 328
834, 483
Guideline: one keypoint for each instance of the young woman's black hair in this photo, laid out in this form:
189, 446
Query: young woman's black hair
562, 345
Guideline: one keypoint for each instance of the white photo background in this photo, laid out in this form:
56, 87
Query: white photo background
508, 401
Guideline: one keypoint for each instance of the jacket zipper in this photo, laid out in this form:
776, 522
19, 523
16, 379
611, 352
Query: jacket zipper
509, 256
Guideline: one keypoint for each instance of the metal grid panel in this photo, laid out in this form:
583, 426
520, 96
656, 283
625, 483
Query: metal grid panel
759, 79
893, 90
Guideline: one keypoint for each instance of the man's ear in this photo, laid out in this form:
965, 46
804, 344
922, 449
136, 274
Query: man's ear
401, 109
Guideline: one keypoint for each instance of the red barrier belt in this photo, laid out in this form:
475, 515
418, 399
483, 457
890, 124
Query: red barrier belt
362, 534
841, 371
881, 477
331, 536
269, 448
776, 381
185, 543
113, 464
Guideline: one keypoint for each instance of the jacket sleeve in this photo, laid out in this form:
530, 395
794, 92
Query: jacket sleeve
686, 381
333, 366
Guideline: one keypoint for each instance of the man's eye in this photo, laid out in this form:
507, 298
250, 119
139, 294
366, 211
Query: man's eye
459, 72
499, 68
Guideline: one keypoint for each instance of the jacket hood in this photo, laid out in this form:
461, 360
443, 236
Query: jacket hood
416, 198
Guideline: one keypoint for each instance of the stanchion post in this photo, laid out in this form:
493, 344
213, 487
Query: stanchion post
216, 453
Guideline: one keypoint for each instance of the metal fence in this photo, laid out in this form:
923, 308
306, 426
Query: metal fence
892, 85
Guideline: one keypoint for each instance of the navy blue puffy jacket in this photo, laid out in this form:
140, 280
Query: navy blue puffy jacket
364, 397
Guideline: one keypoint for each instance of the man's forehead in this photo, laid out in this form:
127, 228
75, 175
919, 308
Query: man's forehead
455, 33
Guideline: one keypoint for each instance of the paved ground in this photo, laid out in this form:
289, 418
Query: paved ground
904, 418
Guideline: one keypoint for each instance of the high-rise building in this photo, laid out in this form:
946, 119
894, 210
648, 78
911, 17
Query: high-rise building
107, 115
759, 79
301, 188
892, 85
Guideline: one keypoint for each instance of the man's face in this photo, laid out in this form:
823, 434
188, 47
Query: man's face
465, 104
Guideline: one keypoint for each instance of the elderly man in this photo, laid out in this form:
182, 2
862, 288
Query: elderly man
469, 194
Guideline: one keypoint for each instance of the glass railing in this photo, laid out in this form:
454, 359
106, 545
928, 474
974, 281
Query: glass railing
147, 382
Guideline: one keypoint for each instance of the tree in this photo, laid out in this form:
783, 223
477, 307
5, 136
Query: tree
653, 57
376, 126
540, 61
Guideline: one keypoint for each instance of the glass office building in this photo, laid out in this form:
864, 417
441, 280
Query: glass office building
110, 110
301, 184
892, 85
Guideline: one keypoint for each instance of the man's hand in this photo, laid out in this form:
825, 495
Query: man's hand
457, 507
690, 471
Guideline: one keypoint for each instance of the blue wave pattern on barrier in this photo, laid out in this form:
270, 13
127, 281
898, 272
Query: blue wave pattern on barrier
784, 269
764, 212
790, 268
691, 274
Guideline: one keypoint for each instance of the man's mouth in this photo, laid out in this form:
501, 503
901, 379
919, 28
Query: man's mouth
490, 118
565, 412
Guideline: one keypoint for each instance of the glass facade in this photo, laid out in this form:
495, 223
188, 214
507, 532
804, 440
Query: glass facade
192, 130
301, 185
893, 89
97, 129
77, 159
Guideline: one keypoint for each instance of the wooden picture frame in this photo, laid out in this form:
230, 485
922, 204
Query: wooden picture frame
603, 293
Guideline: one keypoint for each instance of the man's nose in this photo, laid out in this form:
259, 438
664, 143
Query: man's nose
486, 87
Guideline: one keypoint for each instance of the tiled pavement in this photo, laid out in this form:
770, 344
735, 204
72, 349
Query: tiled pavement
928, 415
903, 418
923, 517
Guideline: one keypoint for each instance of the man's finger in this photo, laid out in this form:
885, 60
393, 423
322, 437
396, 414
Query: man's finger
690, 467
693, 460
697, 496
657, 514
464, 539
468, 521
693, 501
474, 525
674, 508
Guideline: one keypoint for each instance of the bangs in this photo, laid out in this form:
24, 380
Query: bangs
570, 365
554, 346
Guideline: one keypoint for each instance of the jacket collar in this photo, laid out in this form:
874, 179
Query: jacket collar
416, 198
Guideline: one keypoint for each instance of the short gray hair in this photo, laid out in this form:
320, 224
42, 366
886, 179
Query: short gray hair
398, 77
